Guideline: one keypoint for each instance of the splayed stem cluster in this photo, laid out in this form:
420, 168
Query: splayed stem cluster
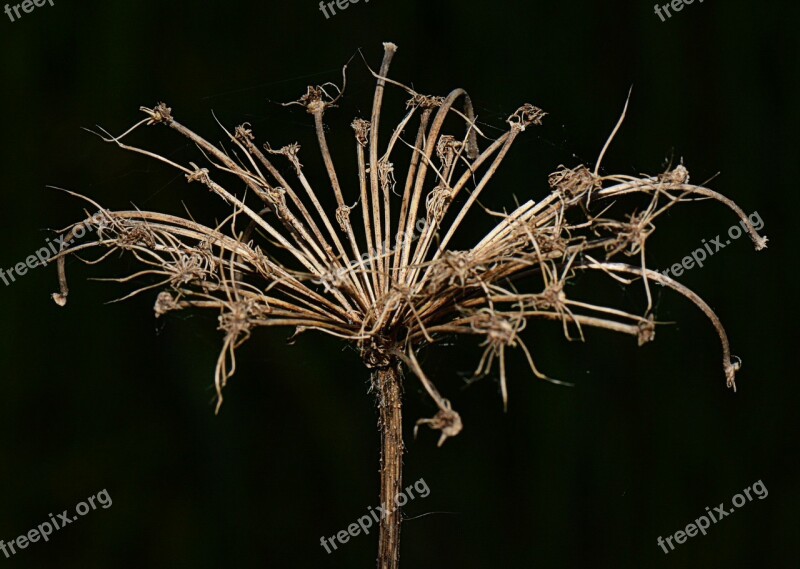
381, 273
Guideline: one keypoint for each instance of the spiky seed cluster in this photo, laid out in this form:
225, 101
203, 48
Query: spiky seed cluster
381, 273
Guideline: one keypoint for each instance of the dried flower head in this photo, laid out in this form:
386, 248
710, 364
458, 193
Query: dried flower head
380, 273
390, 296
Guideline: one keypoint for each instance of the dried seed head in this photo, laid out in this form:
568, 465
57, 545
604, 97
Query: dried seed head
446, 420
424, 101
165, 302
573, 182
437, 202
647, 330
312, 100
525, 116
679, 175
499, 328
291, 151
238, 317
361, 127
446, 150
628, 237
386, 175
199, 175
188, 268
393, 302
262, 265
343, 216
160, 114
552, 297
136, 235
243, 133
276, 196
459, 268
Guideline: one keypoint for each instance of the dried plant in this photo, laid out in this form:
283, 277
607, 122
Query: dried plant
387, 280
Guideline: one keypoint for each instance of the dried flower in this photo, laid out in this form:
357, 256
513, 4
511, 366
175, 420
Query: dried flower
308, 268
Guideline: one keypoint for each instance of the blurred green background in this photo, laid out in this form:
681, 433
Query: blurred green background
100, 395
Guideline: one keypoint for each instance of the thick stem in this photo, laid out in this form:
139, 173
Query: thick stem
387, 384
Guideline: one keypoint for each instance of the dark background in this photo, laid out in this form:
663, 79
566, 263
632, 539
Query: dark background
99, 395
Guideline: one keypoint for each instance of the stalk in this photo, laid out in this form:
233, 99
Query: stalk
386, 382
